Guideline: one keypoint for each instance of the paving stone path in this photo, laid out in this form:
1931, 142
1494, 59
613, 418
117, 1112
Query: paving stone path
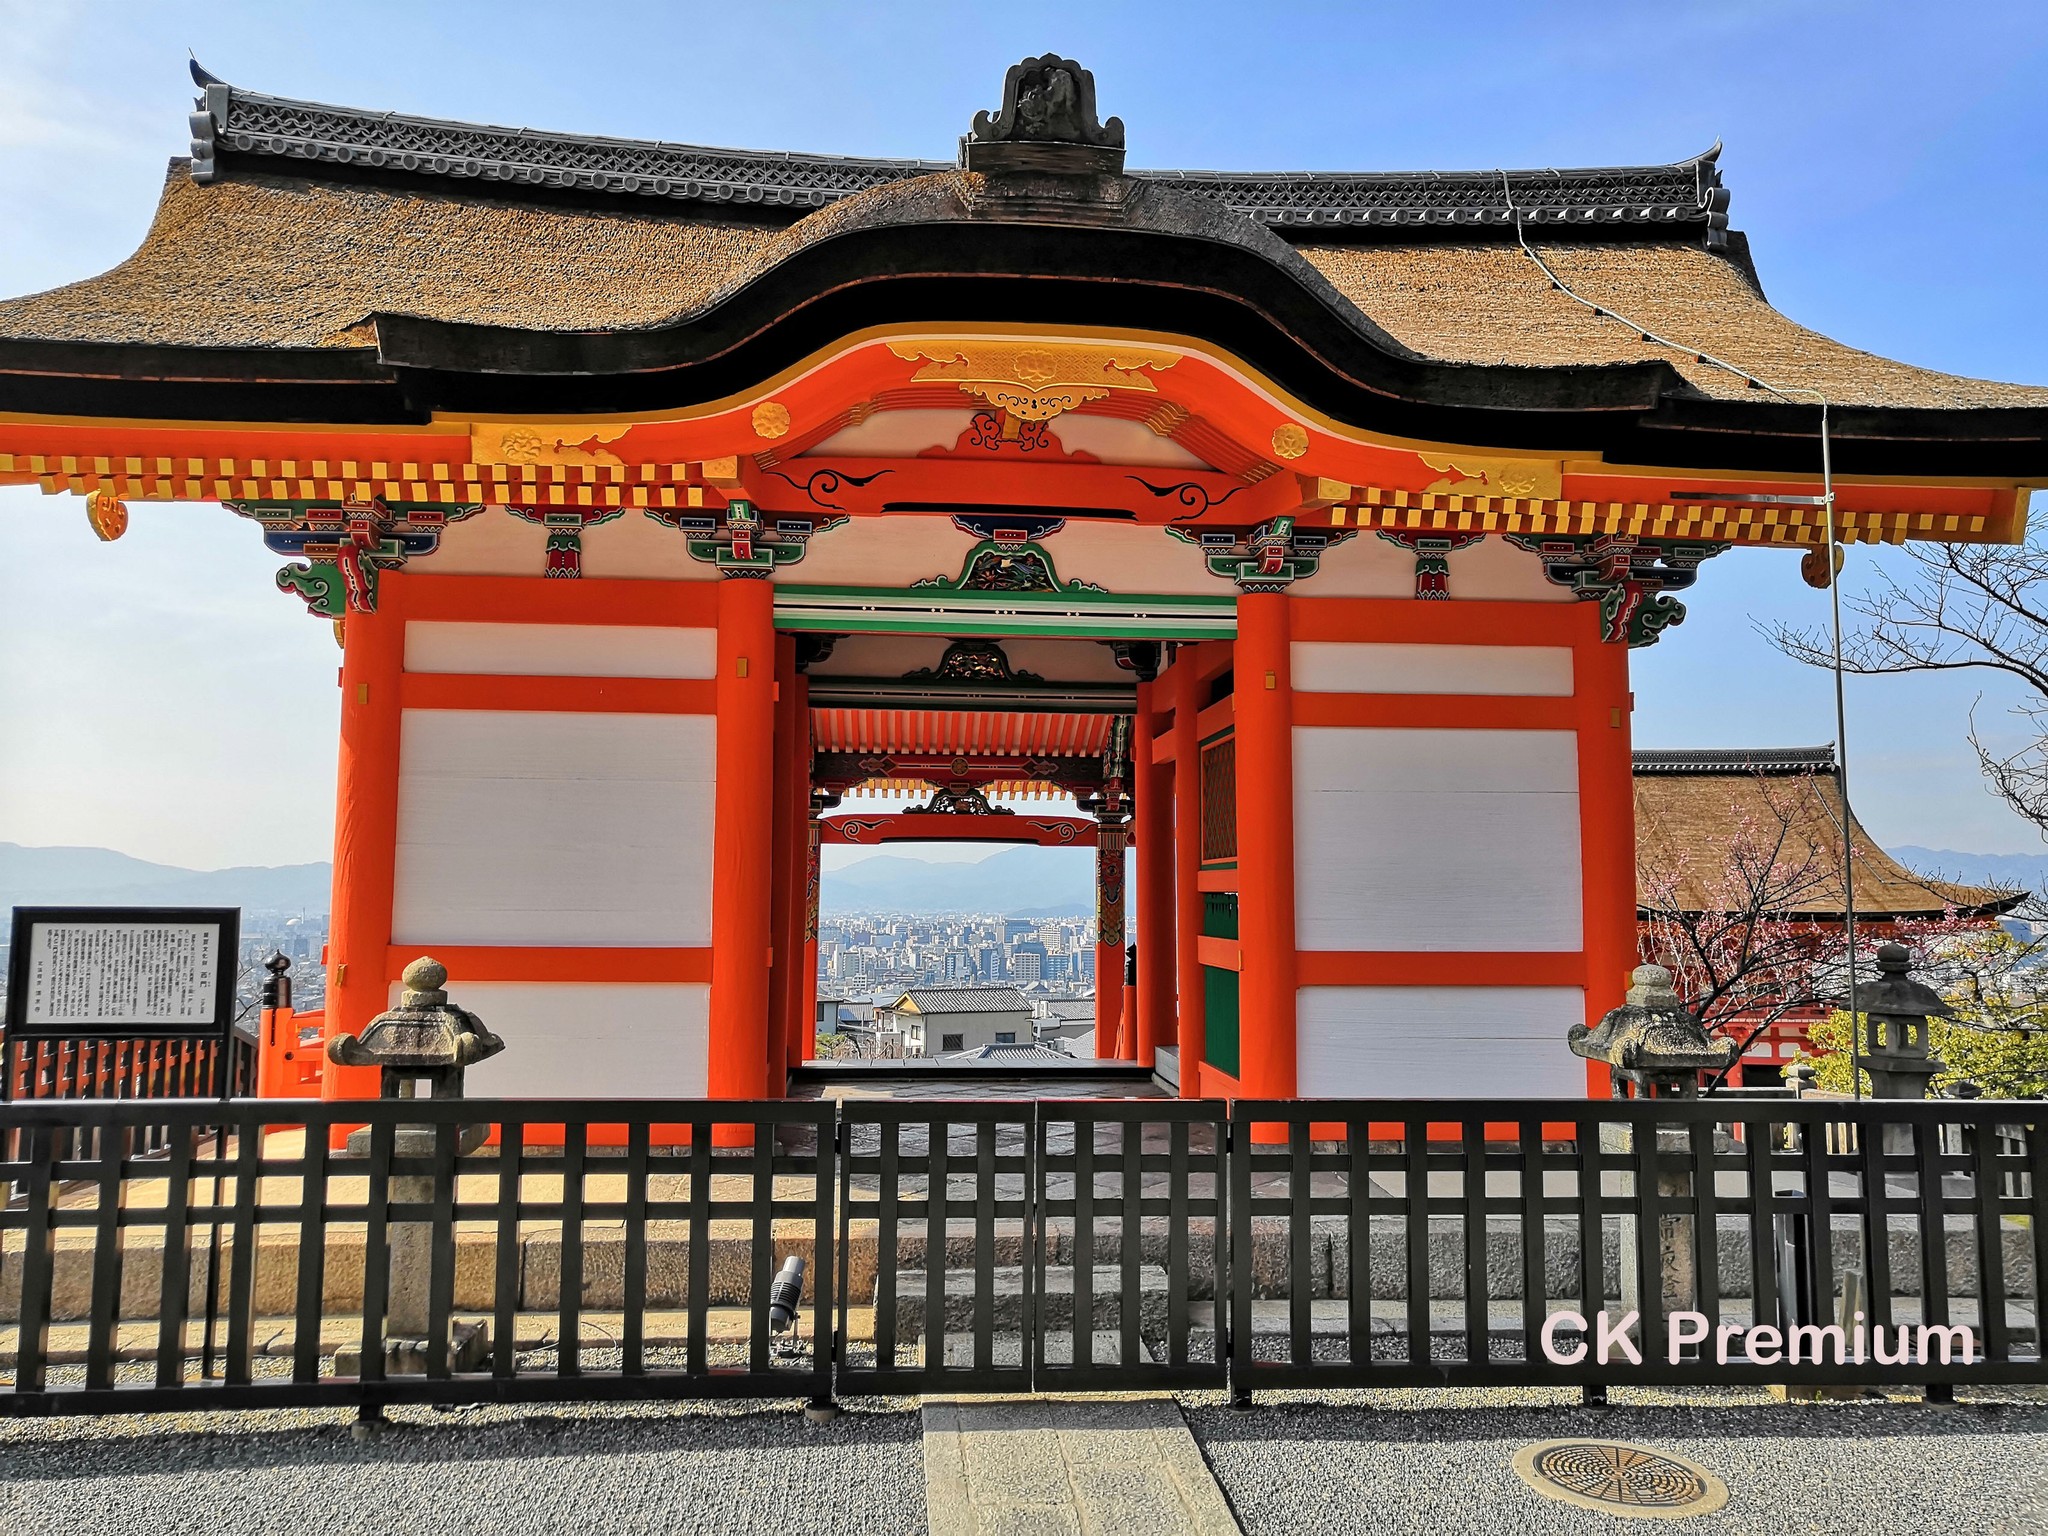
1344, 1463
1108, 1465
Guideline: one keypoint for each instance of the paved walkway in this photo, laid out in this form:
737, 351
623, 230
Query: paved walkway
1358, 1463
1346, 1463
534, 1471
1094, 1465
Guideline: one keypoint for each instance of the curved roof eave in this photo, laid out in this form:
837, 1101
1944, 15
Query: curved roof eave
918, 271
1294, 329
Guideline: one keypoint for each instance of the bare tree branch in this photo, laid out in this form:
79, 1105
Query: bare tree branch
1957, 607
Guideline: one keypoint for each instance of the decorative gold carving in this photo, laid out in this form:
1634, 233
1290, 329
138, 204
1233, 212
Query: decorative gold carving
1290, 440
771, 419
724, 473
540, 442
1035, 380
1475, 475
109, 518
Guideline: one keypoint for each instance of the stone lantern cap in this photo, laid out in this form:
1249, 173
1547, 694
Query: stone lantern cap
1652, 1035
424, 1033
1896, 994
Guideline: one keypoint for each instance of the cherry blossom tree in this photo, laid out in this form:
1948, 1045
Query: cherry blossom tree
1747, 920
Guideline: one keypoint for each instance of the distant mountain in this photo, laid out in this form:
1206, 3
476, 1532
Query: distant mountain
1019, 882
100, 877
2029, 871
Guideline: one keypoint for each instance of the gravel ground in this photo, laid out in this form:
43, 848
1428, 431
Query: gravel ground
505, 1471
1438, 1462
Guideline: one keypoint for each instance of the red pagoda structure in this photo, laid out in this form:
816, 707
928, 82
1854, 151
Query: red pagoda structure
1296, 526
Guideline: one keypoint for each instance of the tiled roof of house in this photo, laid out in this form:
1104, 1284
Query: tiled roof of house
931, 1000
1701, 814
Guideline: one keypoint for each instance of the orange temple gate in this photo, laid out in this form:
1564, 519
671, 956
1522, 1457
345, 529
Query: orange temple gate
1162, 495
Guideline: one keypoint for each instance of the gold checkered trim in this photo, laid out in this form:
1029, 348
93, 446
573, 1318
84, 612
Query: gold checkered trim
528, 485
1719, 522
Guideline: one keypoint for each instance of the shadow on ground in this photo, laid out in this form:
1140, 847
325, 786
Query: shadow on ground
695, 1467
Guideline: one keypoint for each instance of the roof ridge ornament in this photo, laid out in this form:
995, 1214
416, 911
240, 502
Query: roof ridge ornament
1047, 123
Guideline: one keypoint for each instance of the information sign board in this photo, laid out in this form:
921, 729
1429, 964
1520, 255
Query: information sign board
122, 972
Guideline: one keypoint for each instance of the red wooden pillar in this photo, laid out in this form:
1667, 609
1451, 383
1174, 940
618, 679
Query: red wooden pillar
741, 850
1156, 928
808, 1047
1109, 938
365, 829
781, 883
1607, 825
1187, 872
795, 812
1263, 695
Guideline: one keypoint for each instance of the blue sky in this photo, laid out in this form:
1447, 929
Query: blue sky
160, 697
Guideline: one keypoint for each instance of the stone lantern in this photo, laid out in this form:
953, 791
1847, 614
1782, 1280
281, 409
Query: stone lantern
425, 1042
1654, 1047
1896, 1051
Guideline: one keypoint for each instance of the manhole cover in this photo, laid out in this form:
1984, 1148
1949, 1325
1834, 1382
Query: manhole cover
1620, 1479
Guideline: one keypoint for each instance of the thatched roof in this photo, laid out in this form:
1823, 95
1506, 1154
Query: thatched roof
1489, 304
411, 265
295, 261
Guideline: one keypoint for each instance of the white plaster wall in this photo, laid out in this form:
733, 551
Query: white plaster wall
1413, 840
882, 552
1114, 440
532, 827
1492, 570
1067, 661
1363, 566
894, 435
620, 1040
495, 543
1126, 558
1543, 671
492, 543
1495, 570
1425, 1042
635, 545
560, 650
893, 552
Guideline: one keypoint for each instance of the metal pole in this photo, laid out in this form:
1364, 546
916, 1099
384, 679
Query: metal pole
1827, 476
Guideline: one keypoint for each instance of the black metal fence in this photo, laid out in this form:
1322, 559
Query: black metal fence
273, 1253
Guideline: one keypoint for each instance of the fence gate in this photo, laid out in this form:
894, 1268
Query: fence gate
1131, 1245
936, 1216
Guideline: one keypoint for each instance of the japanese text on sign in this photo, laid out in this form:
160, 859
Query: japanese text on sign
147, 974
